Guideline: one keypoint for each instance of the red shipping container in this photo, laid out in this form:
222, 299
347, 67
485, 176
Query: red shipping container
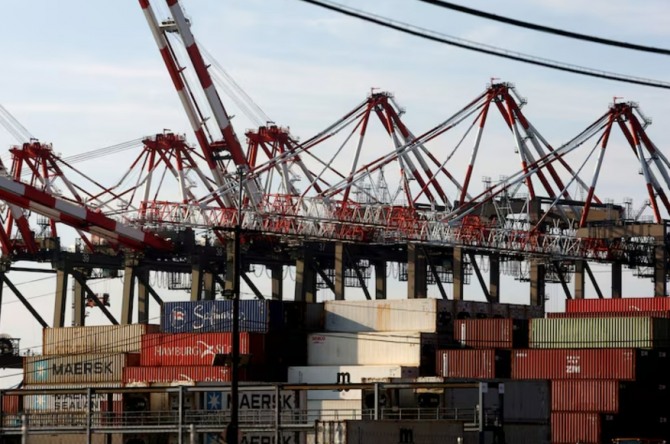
583, 428
473, 363
491, 333
149, 375
10, 403
612, 314
617, 304
585, 396
599, 363
175, 349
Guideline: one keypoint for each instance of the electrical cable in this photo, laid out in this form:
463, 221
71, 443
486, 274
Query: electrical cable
546, 29
487, 49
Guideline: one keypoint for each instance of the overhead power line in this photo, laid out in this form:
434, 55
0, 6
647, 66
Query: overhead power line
486, 49
547, 29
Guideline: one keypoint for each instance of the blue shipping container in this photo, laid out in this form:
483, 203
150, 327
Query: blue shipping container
256, 316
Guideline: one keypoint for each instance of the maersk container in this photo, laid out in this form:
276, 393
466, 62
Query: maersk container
344, 375
64, 402
617, 332
95, 339
77, 368
617, 304
150, 375
473, 363
492, 333
410, 349
175, 349
388, 431
606, 363
259, 316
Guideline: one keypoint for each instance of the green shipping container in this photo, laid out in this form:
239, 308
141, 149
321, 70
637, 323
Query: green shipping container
614, 332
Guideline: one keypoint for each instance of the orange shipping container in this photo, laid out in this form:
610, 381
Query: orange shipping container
492, 333
617, 304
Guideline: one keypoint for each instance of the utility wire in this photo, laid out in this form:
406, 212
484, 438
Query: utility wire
547, 29
486, 49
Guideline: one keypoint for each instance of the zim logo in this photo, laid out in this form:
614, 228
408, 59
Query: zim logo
177, 317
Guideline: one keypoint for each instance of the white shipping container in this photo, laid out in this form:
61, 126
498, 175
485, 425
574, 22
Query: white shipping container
69, 402
95, 339
374, 348
334, 374
382, 315
333, 409
77, 368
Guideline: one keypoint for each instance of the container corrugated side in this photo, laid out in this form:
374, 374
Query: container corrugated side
175, 349
324, 374
259, 316
373, 348
333, 409
591, 428
77, 368
10, 403
606, 363
410, 431
150, 375
95, 339
381, 315
610, 396
473, 363
491, 333
617, 304
71, 402
527, 433
617, 332
611, 314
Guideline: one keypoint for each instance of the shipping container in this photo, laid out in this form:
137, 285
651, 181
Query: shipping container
333, 409
526, 402
388, 431
609, 396
304, 316
152, 375
255, 398
616, 332
597, 428
622, 363
527, 433
411, 349
10, 403
175, 349
251, 437
424, 315
95, 339
209, 316
81, 438
64, 402
611, 314
617, 304
326, 374
491, 333
473, 363
77, 368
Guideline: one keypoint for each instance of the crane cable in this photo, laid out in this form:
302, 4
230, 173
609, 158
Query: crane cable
547, 29
486, 49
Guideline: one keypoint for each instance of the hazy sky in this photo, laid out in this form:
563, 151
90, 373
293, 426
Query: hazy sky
84, 75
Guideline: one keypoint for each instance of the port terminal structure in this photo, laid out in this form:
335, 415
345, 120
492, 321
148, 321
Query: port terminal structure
333, 207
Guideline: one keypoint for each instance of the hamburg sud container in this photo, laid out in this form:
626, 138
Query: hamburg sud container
473, 363
617, 304
609, 396
77, 368
257, 316
95, 339
625, 364
326, 374
180, 349
74, 401
411, 349
617, 332
152, 375
491, 333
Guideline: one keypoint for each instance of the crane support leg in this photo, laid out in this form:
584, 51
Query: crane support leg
78, 317
616, 280
339, 271
537, 274
61, 297
660, 271
417, 285
380, 279
128, 295
202, 282
142, 296
494, 278
580, 290
305, 278
277, 271
459, 275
